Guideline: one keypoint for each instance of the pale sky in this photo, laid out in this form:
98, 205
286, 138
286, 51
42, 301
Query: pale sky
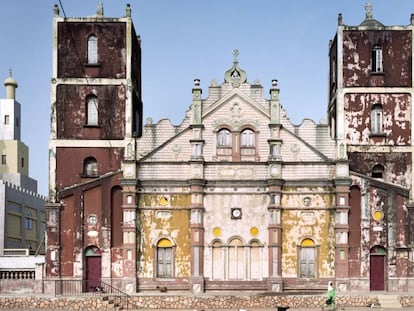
183, 40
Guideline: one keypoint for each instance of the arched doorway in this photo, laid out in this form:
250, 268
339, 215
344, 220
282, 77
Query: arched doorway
93, 268
377, 268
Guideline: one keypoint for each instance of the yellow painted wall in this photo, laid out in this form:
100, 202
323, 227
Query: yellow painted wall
170, 221
315, 221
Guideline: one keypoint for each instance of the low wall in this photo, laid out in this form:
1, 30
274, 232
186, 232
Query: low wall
171, 301
21, 274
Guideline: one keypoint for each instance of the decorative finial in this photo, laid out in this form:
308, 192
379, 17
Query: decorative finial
236, 76
100, 10
340, 19
56, 10
11, 86
128, 10
368, 10
235, 54
10, 73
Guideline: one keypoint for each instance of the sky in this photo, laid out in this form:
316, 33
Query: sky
183, 40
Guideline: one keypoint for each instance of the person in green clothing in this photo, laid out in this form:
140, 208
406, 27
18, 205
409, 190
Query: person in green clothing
330, 297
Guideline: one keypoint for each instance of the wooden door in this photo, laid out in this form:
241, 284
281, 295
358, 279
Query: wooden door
377, 272
93, 273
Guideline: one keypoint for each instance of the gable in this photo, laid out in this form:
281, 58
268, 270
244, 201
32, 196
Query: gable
235, 106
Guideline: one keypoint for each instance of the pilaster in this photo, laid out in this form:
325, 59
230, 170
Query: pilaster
342, 209
275, 235
197, 235
53, 247
129, 226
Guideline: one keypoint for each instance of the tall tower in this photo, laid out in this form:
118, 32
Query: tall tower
22, 214
96, 117
370, 116
14, 153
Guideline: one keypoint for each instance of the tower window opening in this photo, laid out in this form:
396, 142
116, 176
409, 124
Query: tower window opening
377, 59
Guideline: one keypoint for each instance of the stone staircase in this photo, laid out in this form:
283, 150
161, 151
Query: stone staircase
388, 301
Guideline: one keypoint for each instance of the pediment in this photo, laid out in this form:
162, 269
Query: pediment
236, 108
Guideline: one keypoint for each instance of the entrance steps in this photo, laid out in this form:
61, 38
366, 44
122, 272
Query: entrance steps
388, 301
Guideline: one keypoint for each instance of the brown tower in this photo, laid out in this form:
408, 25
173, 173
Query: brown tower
370, 116
96, 117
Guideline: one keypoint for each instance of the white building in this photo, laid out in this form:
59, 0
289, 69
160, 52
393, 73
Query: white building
22, 213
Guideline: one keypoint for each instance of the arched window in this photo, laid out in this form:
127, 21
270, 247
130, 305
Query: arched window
255, 261
224, 138
247, 138
236, 260
218, 262
377, 59
164, 258
92, 49
90, 167
92, 105
376, 119
377, 171
248, 150
307, 255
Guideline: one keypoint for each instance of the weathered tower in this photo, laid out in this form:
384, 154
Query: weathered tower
95, 118
370, 116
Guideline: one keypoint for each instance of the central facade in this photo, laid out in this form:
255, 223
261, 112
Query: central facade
236, 197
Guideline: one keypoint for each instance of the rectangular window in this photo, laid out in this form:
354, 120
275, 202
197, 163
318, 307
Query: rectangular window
376, 122
6, 119
4, 159
307, 262
164, 262
93, 50
28, 224
92, 111
377, 59
196, 150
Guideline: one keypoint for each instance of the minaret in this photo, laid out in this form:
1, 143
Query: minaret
14, 154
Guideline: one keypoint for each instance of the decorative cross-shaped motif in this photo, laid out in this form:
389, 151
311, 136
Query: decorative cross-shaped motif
368, 10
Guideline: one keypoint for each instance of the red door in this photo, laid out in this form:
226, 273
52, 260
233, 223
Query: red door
93, 273
377, 272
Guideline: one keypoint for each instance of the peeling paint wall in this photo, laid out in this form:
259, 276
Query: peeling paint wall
71, 105
73, 50
382, 222
70, 163
396, 119
172, 222
315, 221
86, 220
397, 165
396, 47
68, 234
